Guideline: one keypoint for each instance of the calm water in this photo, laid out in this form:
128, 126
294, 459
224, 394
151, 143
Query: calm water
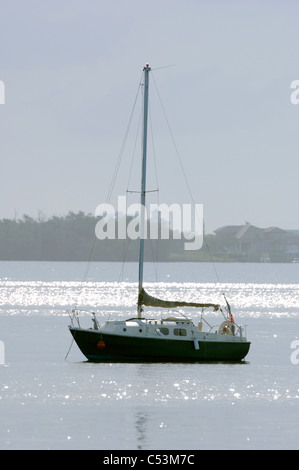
49, 402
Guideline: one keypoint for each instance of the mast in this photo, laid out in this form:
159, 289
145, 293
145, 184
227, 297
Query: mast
143, 180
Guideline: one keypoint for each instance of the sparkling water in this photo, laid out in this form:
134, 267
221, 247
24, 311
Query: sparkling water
52, 398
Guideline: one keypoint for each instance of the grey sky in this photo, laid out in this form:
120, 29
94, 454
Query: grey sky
71, 69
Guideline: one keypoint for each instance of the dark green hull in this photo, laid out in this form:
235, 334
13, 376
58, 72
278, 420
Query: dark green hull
98, 346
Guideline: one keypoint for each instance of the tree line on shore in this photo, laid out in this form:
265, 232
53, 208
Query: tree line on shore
72, 238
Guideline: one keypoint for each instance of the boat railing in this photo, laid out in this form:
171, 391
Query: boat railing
239, 330
75, 321
172, 318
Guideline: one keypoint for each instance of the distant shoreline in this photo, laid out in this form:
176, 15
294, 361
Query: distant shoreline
146, 261
72, 238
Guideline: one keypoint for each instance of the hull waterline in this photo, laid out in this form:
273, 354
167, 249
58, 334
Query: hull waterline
98, 346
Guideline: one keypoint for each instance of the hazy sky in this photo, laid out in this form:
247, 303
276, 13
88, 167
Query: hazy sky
71, 70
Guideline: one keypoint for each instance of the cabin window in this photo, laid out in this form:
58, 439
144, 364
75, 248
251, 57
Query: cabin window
164, 331
180, 332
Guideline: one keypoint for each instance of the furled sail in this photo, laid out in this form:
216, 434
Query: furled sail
149, 301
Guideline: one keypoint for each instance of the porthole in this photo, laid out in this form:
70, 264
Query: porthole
180, 332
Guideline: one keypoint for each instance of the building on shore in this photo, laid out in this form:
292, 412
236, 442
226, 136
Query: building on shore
252, 243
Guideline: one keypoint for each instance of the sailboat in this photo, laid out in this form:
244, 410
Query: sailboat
174, 337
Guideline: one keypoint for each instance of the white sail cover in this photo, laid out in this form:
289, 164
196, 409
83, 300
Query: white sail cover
149, 301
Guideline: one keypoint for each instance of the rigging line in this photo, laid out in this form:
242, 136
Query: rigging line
65, 358
154, 149
73, 339
122, 147
86, 270
164, 67
125, 250
173, 141
211, 257
139, 192
183, 171
134, 150
157, 183
154, 258
112, 183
